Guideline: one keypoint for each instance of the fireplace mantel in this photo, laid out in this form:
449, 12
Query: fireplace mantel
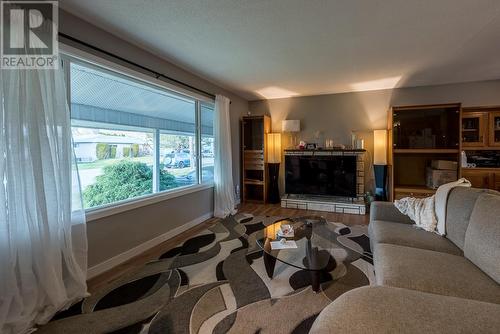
323, 152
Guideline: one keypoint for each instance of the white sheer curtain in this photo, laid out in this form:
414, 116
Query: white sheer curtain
43, 244
224, 201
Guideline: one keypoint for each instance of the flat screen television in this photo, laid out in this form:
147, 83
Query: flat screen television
320, 175
426, 128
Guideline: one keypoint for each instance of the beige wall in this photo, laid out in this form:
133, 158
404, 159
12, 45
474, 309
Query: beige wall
336, 115
116, 234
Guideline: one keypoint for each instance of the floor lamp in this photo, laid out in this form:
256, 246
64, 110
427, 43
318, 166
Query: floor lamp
380, 164
273, 164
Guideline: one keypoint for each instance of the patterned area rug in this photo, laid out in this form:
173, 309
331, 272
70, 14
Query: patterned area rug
216, 282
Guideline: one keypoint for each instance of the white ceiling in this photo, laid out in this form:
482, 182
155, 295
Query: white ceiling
278, 48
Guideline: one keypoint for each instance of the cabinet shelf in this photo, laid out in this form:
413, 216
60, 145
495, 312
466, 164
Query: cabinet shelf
481, 127
254, 151
415, 189
425, 150
481, 148
409, 167
495, 169
255, 182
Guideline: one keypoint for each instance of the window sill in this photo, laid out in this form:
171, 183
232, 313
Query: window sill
127, 205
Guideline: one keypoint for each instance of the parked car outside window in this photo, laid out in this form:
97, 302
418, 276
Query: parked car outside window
177, 159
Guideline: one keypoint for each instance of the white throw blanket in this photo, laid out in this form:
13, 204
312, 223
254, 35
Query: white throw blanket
430, 213
420, 210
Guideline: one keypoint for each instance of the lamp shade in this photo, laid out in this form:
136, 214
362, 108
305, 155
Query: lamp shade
290, 125
274, 148
380, 147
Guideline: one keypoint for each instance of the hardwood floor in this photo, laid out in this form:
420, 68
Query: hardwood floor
137, 262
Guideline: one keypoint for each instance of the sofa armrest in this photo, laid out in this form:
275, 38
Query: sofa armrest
383, 310
388, 212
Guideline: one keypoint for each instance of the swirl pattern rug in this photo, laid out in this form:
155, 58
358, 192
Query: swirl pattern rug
216, 282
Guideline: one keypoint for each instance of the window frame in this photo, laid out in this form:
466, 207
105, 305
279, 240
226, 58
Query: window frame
70, 54
200, 138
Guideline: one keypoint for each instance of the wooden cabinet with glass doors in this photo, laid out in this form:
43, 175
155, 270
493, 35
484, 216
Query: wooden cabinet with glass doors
481, 128
494, 128
481, 139
474, 127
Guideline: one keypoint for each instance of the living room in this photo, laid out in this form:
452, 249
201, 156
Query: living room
241, 167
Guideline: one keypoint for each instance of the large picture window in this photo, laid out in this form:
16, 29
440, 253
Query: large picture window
134, 139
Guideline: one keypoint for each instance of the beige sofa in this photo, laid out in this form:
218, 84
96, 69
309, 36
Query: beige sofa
426, 283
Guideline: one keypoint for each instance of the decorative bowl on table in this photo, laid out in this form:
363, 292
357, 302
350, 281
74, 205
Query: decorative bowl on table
286, 231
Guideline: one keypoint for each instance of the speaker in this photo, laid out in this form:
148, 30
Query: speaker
273, 193
380, 172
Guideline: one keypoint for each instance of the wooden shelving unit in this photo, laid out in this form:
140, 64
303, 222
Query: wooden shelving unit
433, 151
481, 128
474, 128
480, 133
412, 191
254, 153
408, 164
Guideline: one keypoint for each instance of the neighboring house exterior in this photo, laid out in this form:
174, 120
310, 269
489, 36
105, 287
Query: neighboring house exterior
86, 146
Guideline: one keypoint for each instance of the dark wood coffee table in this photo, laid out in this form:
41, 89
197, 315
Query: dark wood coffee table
313, 247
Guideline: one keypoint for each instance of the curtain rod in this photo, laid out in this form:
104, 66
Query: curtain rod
156, 74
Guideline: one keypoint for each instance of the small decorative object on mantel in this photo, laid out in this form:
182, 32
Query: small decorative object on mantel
311, 146
336, 146
356, 142
353, 139
291, 126
330, 144
302, 145
318, 138
360, 144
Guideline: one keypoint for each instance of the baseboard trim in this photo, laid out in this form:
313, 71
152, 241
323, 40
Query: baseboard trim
137, 250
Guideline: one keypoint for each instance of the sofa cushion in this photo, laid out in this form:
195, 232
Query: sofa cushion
388, 212
409, 235
459, 208
434, 272
482, 240
392, 310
